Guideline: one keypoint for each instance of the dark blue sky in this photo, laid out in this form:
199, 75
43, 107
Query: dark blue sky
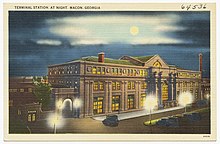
38, 39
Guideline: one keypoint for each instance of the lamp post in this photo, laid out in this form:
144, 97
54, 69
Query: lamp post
54, 120
76, 105
151, 102
185, 98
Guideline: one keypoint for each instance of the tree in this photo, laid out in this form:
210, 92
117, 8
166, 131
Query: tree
42, 91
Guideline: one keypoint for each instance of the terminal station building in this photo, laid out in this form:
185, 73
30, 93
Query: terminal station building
106, 86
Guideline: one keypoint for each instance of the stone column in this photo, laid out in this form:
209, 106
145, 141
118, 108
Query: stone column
136, 95
122, 97
106, 97
126, 95
170, 87
91, 98
139, 95
110, 97
86, 100
159, 90
174, 86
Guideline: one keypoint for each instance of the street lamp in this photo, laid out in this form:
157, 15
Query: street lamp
185, 98
76, 104
55, 120
151, 103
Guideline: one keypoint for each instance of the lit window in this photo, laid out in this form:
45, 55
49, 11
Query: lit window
103, 70
130, 101
118, 85
94, 70
129, 85
30, 90
98, 105
115, 103
141, 72
143, 100
101, 86
113, 85
99, 70
143, 85
132, 85
95, 86
21, 90
29, 117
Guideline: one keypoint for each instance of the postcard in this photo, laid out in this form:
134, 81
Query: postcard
109, 72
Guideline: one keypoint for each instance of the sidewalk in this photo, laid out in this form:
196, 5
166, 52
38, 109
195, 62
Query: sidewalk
129, 115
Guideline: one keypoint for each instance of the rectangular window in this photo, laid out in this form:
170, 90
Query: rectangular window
141, 72
113, 85
132, 85
115, 103
99, 70
98, 105
144, 85
29, 117
143, 100
95, 86
94, 70
21, 90
129, 85
118, 85
101, 86
30, 90
103, 70
130, 101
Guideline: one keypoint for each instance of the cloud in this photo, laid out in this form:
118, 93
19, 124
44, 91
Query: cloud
166, 28
158, 40
89, 42
68, 31
49, 42
116, 19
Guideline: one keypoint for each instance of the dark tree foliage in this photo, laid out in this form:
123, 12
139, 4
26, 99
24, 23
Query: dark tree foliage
42, 92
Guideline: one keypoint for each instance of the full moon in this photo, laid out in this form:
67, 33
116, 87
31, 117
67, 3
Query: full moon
134, 30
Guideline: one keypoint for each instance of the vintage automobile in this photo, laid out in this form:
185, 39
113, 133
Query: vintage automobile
111, 120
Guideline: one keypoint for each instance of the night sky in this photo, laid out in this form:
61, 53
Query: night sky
39, 39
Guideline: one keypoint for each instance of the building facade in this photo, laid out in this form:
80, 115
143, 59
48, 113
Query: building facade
107, 85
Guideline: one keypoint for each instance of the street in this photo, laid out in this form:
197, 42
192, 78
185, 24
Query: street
133, 126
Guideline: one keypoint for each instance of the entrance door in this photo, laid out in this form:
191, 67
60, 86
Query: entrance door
130, 101
115, 103
98, 105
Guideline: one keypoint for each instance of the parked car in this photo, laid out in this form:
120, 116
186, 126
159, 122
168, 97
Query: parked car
111, 120
173, 122
162, 122
192, 117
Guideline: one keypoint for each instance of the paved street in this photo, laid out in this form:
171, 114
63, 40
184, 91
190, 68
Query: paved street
133, 125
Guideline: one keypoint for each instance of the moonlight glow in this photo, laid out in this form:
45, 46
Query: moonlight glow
134, 30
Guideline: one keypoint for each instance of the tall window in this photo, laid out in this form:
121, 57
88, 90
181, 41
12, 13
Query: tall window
98, 70
98, 86
143, 100
130, 101
132, 85
95, 86
101, 86
115, 103
144, 85
129, 85
98, 105
113, 85
103, 70
164, 92
141, 72
94, 70
118, 85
